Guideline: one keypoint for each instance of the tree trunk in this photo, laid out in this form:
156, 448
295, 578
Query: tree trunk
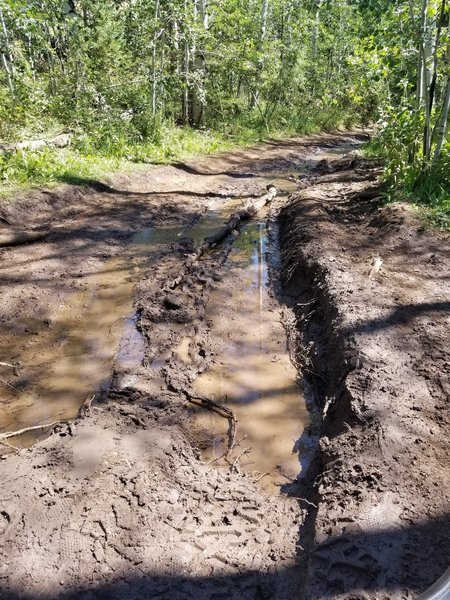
254, 91
249, 210
441, 128
186, 69
430, 48
9, 79
7, 59
154, 77
420, 66
199, 92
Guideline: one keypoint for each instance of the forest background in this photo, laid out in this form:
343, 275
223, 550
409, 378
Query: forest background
139, 81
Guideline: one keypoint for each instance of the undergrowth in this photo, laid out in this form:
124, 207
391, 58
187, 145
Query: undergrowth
113, 145
428, 190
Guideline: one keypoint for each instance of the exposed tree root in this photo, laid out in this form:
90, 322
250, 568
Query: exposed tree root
223, 411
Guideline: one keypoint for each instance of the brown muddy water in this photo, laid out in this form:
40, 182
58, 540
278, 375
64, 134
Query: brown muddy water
253, 374
61, 364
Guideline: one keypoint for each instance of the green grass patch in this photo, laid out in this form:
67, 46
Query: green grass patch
110, 148
429, 191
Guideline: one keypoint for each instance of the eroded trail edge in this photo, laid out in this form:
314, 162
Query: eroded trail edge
369, 289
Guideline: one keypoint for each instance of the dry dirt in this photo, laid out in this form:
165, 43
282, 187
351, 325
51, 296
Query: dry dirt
120, 501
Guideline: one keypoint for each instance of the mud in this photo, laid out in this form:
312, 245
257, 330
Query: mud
378, 360
337, 483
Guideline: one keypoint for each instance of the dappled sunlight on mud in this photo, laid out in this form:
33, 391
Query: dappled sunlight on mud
63, 362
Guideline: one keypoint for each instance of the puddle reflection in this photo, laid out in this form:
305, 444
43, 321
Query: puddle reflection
254, 375
62, 363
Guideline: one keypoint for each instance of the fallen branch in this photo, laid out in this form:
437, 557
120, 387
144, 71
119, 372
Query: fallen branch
227, 452
10, 446
308, 502
60, 141
235, 466
10, 434
257, 479
249, 210
8, 384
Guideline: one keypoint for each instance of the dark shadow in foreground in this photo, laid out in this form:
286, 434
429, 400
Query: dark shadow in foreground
355, 564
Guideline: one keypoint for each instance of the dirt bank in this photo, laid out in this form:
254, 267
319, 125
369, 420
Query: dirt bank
121, 501
371, 294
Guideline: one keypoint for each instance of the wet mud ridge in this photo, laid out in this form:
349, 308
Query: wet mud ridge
267, 419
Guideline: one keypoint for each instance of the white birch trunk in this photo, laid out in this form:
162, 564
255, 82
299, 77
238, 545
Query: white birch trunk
264, 14
186, 57
421, 82
154, 75
315, 32
7, 59
441, 128
199, 92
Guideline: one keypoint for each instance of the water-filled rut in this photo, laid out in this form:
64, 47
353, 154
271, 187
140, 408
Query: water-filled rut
69, 360
252, 373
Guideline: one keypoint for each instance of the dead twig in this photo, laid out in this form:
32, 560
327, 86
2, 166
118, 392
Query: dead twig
262, 476
234, 467
4, 443
9, 385
227, 452
308, 502
223, 411
10, 434
90, 403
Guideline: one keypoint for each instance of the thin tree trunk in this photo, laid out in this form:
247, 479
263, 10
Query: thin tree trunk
8, 75
254, 91
315, 32
7, 59
199, 92
154, 77
441, 129
430, 48
435, 54
264, 14
185, 101
421, 67
314, 39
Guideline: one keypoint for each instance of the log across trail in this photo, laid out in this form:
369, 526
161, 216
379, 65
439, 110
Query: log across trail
250, 208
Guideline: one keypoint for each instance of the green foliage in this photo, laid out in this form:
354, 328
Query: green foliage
114, 71
430, 190
122, 76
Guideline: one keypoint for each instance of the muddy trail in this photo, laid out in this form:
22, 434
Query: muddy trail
265, 419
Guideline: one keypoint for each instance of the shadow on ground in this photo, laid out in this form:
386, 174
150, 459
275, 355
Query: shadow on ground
357, 565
